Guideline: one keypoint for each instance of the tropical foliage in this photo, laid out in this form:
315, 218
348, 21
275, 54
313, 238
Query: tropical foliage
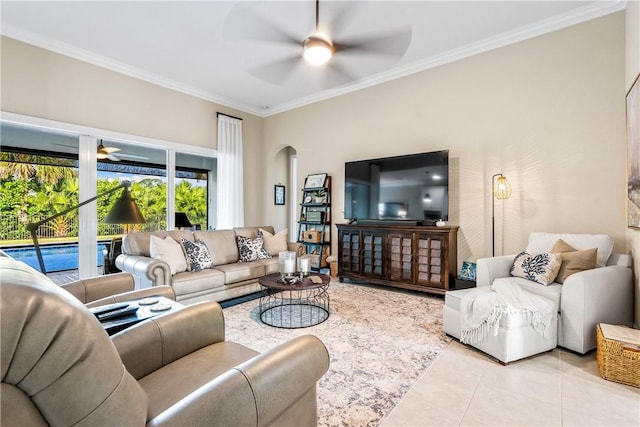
30, 192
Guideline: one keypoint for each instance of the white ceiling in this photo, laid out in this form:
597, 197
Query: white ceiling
217, 50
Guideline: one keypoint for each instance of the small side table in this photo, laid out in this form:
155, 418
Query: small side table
460, 283
144, 312
298, 305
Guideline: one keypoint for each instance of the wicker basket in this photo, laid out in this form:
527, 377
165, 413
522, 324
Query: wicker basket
315, 257
616, 362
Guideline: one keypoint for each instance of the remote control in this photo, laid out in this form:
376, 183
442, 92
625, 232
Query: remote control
121, 312
109, 307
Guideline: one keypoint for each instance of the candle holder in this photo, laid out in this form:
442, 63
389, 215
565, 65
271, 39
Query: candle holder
304, 266
287, 264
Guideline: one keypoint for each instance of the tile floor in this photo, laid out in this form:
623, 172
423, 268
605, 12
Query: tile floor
463, 387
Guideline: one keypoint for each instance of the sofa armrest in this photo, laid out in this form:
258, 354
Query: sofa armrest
296, 247
276, 387
158, 341
161, 291
600, 295
98, 287
158, 272
489, 269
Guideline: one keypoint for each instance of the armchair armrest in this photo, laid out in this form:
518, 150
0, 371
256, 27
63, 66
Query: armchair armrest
600, 295
154, 270
158, 341
489, 269
162, 291
95, 288
293, 369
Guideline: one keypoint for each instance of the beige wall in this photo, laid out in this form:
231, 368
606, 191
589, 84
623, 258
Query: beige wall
40, 83
547, 112
632, 56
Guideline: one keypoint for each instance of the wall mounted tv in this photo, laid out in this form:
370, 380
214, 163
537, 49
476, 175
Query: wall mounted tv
412, 188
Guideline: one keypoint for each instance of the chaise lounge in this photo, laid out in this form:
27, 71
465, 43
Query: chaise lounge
603, 294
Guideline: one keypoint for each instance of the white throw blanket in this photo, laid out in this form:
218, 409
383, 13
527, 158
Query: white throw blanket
481, 311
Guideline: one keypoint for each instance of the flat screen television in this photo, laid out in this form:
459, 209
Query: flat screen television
412, 188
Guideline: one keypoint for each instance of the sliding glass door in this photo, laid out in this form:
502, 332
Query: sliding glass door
45, 171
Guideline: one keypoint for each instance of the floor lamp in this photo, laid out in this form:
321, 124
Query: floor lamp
501, 190
124, 211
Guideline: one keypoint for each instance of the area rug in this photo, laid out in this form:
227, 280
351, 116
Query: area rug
380, 341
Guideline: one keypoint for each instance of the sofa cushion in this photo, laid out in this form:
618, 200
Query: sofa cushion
169, 251
136, 243
251, 249
241, 271
552, 292
274, 243
252, 232
540, 242
573, 261
197, 255
221, 243
542, 268
197, 281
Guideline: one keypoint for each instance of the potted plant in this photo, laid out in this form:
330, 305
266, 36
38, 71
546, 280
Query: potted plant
319, 196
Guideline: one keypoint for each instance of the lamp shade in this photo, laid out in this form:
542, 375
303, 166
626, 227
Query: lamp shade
125, 210
501, 188
182, 220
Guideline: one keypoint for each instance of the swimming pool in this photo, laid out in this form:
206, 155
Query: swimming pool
56, 257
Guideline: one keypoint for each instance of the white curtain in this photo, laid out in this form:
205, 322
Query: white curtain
230, 200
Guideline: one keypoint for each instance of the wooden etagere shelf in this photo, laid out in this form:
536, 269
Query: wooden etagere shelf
314, 223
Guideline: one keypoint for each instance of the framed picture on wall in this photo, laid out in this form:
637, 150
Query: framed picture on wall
278, 194
315, 181
633, 154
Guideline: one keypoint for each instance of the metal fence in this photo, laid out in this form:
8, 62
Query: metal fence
14, 228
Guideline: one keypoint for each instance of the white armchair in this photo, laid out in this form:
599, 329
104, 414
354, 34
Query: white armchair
601, 295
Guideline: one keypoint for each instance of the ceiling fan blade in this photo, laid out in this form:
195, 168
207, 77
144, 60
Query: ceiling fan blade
278, 71
393, 44
110, 150
131, 156
338, 20
242, 23
336, 75
113, 157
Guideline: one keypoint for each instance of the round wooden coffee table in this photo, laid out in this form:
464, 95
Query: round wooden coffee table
298, 305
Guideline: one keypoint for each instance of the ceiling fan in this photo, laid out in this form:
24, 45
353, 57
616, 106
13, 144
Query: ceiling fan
317, 49
109, 153
106, 153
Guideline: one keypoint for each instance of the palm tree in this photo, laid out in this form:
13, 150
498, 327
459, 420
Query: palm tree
27, 167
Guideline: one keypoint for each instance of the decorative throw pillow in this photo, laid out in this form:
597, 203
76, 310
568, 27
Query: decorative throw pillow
573, 261
274, 243
197, 254
169, 251
251, 249
541, 268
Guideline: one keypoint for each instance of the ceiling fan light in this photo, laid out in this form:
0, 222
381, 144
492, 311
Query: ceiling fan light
317, 50
102, 152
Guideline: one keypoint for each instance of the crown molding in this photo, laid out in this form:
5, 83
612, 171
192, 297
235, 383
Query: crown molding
576, 16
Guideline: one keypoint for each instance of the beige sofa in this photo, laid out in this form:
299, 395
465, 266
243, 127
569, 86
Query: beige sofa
59, 366
228, 278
